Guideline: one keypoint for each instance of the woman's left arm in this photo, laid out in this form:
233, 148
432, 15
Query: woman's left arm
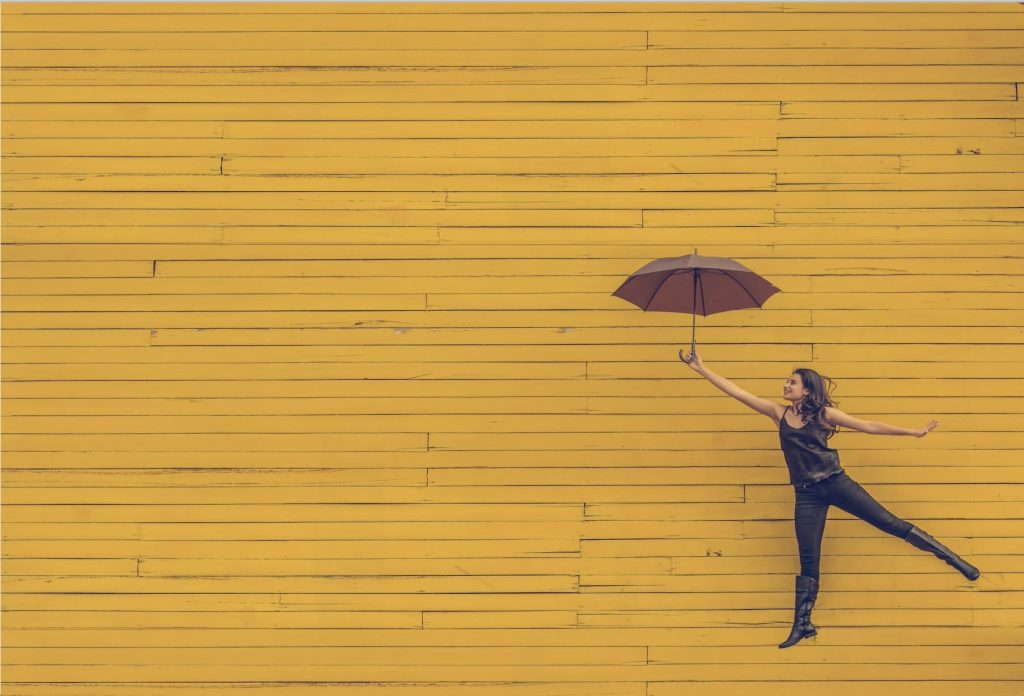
875, 427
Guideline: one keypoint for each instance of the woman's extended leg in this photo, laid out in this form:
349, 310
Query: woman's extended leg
846, 494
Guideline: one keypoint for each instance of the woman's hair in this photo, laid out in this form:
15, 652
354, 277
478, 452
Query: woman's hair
812, 408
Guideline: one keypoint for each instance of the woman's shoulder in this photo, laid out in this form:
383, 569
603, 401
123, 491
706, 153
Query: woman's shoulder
779, 411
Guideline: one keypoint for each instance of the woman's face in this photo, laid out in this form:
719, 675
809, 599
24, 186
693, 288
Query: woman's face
794, 389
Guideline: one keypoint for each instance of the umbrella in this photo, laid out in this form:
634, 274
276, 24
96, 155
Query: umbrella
695, 284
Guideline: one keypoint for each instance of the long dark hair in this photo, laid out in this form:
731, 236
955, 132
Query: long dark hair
812, 408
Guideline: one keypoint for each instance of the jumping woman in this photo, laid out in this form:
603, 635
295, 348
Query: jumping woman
818, 480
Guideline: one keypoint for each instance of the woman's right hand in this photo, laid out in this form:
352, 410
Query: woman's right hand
692, 360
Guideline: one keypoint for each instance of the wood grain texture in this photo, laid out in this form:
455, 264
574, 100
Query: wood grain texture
314, 383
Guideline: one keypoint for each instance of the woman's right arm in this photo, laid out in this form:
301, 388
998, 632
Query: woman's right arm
768, 408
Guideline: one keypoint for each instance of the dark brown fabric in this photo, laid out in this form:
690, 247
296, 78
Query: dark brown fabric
807, 453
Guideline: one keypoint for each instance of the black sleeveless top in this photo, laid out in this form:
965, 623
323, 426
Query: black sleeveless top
808, 455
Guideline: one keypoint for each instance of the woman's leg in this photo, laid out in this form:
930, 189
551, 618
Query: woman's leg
846, 494
809, 516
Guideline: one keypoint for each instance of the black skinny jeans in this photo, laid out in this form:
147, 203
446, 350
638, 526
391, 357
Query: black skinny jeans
812, 503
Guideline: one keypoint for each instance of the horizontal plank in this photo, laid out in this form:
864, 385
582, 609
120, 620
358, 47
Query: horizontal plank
251, 688
464, 655
289, 8
293, 549
968, 175
33, 208
124, 567
922, 687
955, 430
209, 165
874, 74
984, 90
986, 208
434, 215
760, 326
654, 113
96, 269
827, 46
597, 510
334, 495
876, 364
965, 477
758, 18
762, 123
751, 551
956, 173
442, 674
359, 41
808, 288
858, 105
737, 635
990, 587
496, 619
138, 159
379, 172
614, 270
385, 148
524, 655
439, 507
761, 256
985, 533
405, 438
516, 655
766, 459
437, 595
130, 477
632, 153
611, 51
420, 385
594, 301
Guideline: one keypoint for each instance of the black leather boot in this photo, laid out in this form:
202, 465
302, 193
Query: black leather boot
919, 538
806, 596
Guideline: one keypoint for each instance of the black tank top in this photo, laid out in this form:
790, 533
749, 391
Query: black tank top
808, 455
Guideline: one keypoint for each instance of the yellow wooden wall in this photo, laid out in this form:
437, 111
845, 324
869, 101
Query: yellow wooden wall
313, 380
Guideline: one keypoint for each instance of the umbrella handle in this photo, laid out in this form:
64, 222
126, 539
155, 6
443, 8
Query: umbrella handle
684, 357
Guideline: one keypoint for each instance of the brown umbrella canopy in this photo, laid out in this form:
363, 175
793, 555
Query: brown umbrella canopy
695, 284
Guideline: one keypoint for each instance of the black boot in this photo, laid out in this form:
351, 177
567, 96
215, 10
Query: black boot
921, 539
806, 596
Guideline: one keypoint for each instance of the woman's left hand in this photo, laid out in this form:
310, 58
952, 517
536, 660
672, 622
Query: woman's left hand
927, 429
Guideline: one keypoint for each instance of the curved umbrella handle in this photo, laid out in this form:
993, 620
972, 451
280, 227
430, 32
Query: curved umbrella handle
684, 357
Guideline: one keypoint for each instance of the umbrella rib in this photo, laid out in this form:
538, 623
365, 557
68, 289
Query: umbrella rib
672, 273
742, 286
703, 306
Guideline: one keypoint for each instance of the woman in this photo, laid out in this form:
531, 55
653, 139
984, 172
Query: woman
819, 480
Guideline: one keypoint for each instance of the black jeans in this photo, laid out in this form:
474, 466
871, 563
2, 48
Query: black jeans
812, 503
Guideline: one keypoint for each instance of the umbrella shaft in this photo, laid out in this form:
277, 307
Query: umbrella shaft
693, 335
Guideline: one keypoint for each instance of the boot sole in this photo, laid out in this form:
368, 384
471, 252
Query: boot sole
806, 635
